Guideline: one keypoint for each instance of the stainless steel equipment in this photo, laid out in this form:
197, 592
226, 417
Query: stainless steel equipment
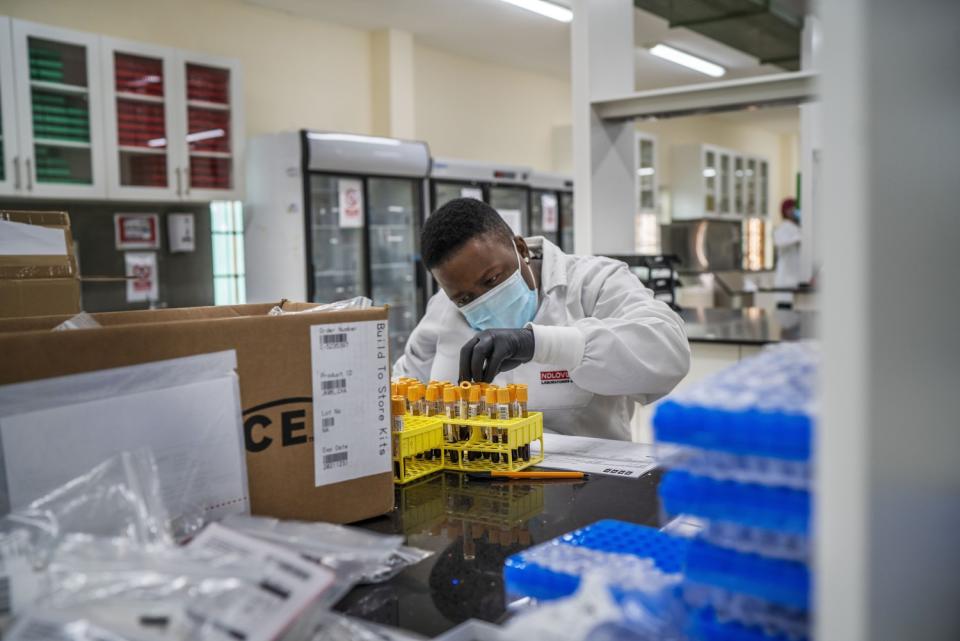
704, 245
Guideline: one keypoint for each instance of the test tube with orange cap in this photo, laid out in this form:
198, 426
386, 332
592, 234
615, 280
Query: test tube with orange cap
503, 404
415, 399
398, 405
432, 401
465, 409
520, 407
482, 410
513, 399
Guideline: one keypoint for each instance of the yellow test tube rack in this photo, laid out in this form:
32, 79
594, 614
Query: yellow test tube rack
426, 439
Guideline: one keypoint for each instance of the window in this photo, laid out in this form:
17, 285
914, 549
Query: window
226, 231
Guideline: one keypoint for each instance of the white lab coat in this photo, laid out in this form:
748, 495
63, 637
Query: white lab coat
603, 344
786, 238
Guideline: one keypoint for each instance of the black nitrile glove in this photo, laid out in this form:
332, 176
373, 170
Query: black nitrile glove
493, 351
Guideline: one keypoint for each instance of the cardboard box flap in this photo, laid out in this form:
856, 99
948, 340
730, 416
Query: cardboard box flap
36, 244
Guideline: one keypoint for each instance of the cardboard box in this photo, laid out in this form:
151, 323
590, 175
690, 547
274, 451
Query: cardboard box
33, 284
277, 360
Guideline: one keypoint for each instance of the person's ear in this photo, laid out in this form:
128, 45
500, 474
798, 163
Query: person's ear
522, 247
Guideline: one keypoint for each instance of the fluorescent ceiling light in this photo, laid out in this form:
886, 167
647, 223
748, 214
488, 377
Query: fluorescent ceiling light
544, 8
645, 171
685, 59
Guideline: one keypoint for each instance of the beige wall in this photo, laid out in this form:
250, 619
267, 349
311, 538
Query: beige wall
479, 111
297, 72
300, 72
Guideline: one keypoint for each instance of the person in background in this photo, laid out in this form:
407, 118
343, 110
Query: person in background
786, 238
582, 332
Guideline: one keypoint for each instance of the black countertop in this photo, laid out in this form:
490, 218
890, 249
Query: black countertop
748, 326
472, 527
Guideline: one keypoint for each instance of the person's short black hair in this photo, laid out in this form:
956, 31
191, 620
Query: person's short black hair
452, 225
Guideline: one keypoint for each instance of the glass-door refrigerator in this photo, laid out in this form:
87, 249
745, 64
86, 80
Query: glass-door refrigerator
503, 187
551, 208
363, 212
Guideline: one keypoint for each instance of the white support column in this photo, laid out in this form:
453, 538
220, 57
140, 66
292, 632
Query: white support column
392, 92
603, 163
811, 144
888, 485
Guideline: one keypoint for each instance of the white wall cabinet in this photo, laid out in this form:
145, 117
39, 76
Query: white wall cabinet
713, 182
90, 117
212, 118
645, 161
11, 178
59, 102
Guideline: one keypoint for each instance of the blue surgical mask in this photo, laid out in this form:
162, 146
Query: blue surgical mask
509, 305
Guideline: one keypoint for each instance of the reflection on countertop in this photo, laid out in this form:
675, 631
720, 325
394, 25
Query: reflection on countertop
748, 326
472, 526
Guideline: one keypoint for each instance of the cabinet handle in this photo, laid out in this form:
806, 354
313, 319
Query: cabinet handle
27, 163
186, 183
16, 172
178, 181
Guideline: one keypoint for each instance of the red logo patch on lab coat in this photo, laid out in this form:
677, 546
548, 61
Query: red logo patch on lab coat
557, 376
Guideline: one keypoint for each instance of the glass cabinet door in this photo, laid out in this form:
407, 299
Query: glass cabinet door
212, 98
763, 185
750, 187
723, 179
511, 203
393, 217
337, 256
10, 181
739, 175
566, 222
444, 191
59, 117
646, 175
710, 181
140, 156
541, 217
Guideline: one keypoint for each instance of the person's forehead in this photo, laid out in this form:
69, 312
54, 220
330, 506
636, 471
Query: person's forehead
470, 261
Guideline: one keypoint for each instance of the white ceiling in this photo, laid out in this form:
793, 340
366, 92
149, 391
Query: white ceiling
501, 33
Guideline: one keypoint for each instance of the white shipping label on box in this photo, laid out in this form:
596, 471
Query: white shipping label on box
512, 217
143, 267
548, 206
351, 400
185, 410
471, 192
289, 585
350, 202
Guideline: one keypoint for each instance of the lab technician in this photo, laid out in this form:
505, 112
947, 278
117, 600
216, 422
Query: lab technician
786, 239
582, 332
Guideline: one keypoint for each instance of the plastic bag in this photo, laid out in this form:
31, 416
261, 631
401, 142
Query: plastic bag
82, 320
608, 606
120, 498
358, 302
356, 555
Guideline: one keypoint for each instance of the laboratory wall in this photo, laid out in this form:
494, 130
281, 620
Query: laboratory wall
297, 72
301, 72
184, 279
480, 111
